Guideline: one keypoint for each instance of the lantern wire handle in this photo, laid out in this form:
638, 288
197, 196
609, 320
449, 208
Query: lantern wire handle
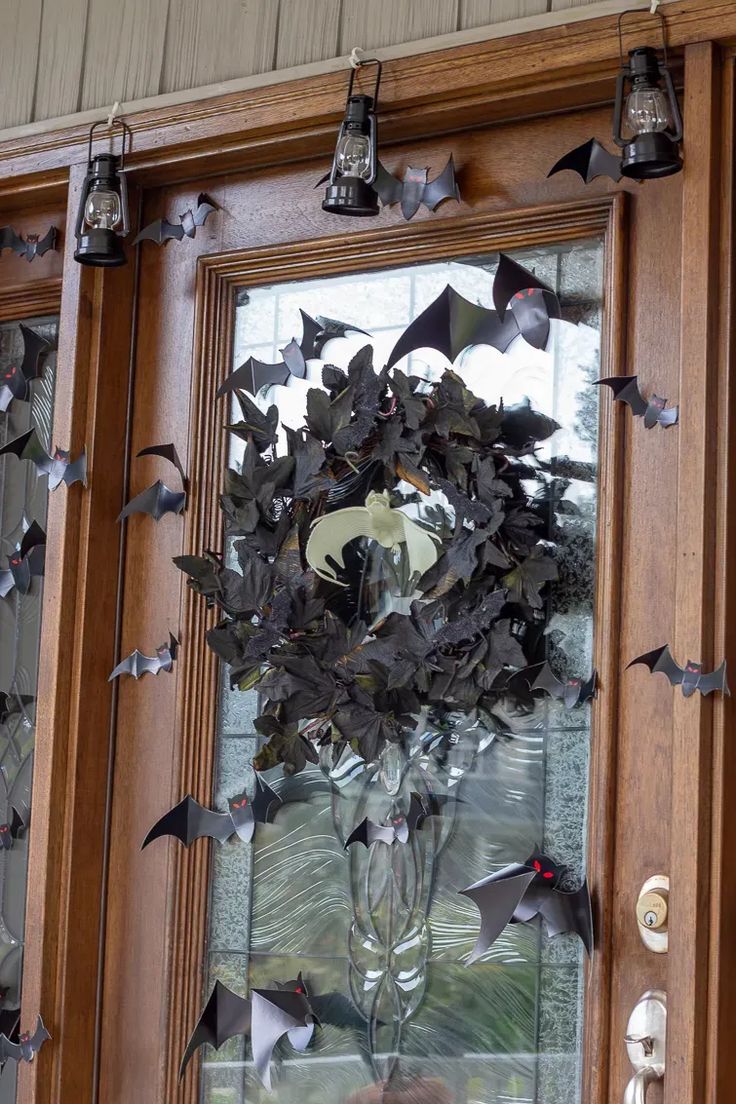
637, 11
362, 62
110, 123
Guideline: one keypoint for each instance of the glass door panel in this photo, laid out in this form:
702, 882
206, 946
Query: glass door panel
387, 929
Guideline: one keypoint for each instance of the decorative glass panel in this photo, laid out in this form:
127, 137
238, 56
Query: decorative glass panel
390, 933
23, 500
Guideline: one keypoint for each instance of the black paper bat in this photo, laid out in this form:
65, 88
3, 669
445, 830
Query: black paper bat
415, 190
654, 411
266, 1017
27, 562
189, 820
137, 664
33, 245
58, 467
161, 231
401, 826
519, 892
531, 301
451, 323
10, 832
589, 161
156, 500
318, 331
26, 1048
571, 692
12, 704
168, 452
15, 382
690, 677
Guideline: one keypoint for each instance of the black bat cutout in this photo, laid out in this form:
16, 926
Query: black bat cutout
328, 1008
654, 410
156, 500
415, 190
189, 820
13, 704
690, 677
15, 382
589, 161
161, 230
519, 892
26, 563
402, 825
30, 247
137, 664
571, 692
27, 1046
266, 1016
318, 331
531, 301
10, 832
167, 452
58, 467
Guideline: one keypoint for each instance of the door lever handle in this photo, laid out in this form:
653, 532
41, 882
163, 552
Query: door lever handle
646, 1041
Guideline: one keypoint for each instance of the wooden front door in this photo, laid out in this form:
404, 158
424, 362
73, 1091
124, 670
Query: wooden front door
629, 786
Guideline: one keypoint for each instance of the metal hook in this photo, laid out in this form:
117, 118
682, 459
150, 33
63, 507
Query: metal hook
654, 10
127, 135
363, 62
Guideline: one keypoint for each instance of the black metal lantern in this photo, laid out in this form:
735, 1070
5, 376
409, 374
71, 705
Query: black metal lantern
102, 221
647, 123
350, 189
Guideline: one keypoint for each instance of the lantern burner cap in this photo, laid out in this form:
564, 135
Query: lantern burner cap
350, 195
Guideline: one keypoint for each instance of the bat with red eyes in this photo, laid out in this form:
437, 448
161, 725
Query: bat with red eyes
27, 1046
654, 410
10, 832
415, 190
15, 381
30, 247
401, 825
589, 161
137, 664
26, 563
161, 230
521, 891
58, 467
690, 677
189, 820
571, 692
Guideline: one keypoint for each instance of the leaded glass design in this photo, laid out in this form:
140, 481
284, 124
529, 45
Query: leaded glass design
23, 500
392, 932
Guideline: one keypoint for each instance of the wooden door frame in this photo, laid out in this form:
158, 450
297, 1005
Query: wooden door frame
495, 82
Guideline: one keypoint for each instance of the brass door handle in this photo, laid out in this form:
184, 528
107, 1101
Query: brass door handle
646, 1041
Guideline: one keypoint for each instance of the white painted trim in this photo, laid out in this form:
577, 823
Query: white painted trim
333, 65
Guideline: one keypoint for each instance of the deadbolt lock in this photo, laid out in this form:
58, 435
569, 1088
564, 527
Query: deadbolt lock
652, 908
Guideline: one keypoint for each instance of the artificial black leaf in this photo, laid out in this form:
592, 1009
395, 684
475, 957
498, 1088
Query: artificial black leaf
256, 426
526, 580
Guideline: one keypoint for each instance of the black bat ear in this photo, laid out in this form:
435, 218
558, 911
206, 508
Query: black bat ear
512, 278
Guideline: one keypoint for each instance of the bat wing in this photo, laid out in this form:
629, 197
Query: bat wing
253, 375
626, 389
189, 821
160, 231
336, 1008
588, 689
76, 472
386, 186
660, 661
266, 802
277, 1013
497, 898
136, 664
28, 447
545, 679
421, 807
225, 1015
9, 1050
206, 206
39, 1036
35, 349
716, 680
450, 324
17, 824
442, 187
512, 278
316, 332
568, 912
48, 241
156, 500
10, 240
168, 452
33, 538
359, 834
589, 161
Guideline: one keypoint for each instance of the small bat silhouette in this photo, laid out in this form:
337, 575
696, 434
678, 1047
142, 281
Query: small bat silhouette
27, 562
168, 452
9, 832
12, 704
58, 467
266, 1016
137, 664
161, 230
571, 692
33, 245
654, 410
519, 892
15, 382
401, 826
415, 190
690, 677
189, 820
27, 1046
589, 161
156, 500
